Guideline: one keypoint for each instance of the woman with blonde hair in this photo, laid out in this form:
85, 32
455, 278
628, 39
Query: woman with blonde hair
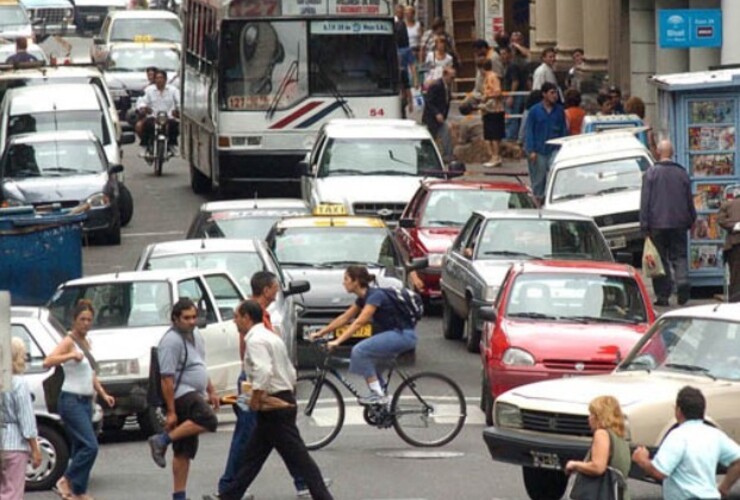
19, 433
608, 447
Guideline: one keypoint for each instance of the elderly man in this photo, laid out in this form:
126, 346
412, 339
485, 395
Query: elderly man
666, 214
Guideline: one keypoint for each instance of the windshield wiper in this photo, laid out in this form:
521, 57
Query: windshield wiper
302, 264
533, 315
335, 92
446, 222
346, 171
509, 253
691, 368
571, 196
334, 263
60, 169
291, 76
390, 155
390, 172
600, 319
615, 189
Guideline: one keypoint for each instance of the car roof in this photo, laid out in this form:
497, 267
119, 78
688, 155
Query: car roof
158, 45
52, 72
721, 311
61, 135
142, 14
205, 245
470, 185
255, 204
599, 143
532, 214
575, 267
131, 276
323, 221
59, 97
25, 311
378, 128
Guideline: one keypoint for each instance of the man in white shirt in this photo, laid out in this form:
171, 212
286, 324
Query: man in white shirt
272, 376
160, 98
544, 72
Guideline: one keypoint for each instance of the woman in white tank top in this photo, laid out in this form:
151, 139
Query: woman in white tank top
76, 402
413, 29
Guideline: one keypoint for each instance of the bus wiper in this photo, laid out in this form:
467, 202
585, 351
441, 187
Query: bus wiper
691, 368
335, 92
291, 76
508, 253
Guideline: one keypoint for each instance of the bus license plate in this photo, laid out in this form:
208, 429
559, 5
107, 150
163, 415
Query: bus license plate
364, 332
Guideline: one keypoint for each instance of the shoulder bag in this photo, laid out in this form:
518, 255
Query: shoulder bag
608, 486
53, 384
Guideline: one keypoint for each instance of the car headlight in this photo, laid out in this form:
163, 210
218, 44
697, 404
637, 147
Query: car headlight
507, 415
119, 367
98, 200
490, 293
435, 259
11, 202
517, 357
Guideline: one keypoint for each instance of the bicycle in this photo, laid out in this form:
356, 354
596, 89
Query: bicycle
424, 401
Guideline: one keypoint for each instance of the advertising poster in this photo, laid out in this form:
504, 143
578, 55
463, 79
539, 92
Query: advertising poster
707, 227
711, 138
714, 111
705, 257
708, 197
712, 165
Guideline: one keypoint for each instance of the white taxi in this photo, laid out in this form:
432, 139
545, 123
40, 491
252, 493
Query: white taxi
135, 26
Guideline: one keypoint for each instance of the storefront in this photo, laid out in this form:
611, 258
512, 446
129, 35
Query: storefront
699, 112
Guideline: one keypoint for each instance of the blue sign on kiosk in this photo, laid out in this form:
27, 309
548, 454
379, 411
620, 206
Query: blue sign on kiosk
682, 28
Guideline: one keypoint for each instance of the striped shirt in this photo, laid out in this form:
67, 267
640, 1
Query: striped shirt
18, 419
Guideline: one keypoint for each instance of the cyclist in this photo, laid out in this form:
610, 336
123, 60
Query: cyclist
393, 332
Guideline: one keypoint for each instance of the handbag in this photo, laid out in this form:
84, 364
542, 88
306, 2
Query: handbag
53, 384
608, 486
652, 265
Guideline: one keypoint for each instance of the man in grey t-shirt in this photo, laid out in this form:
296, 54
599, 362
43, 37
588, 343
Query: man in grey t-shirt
185, 386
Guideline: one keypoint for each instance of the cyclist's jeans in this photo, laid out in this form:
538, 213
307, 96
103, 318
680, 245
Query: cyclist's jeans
381, 346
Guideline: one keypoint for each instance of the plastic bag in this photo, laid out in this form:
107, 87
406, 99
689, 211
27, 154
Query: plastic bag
652, 265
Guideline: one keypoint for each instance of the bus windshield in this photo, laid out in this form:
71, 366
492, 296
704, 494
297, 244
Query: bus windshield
265, 63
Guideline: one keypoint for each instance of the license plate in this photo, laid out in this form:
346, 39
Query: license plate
364, 332
619, 242
545, 460
92, 19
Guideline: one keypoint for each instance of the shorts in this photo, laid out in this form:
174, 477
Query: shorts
193, 407
494, 126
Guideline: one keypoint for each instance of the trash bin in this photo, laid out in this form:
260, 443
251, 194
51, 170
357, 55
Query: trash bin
38, 252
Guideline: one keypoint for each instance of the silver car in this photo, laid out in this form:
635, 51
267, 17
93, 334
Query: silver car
41, 333
241, 258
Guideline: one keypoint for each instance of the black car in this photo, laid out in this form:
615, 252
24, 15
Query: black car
64, 168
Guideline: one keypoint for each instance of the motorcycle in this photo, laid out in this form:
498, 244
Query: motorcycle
157, 152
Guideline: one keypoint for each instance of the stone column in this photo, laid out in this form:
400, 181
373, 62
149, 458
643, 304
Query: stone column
701, 58
569, 18
670, 60
730, 53
545, 33
596, 34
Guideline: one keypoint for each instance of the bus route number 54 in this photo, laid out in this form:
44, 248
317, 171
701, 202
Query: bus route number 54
377, 112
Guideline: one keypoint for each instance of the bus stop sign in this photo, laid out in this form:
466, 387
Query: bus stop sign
682, 28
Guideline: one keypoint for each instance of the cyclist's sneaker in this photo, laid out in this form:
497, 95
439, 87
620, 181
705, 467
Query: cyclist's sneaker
305, 493
373, 399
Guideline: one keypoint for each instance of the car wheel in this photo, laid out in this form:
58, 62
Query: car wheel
125, 204
54, 458
452, 324
542, 484
486, 398
112, 235
151, 421
472, 334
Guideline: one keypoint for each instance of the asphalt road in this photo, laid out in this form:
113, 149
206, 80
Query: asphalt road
365, 463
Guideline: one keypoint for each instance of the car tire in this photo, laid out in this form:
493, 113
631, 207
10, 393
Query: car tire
125, 204
452, 324
151, 421
112, 235
543, 484
199, 183
472, 334
486, 398
54, 458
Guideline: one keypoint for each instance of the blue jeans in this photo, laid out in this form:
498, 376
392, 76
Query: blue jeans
246, 421
76, 413
384, 345
513, 124
538, 173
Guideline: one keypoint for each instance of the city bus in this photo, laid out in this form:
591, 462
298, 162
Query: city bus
260, 77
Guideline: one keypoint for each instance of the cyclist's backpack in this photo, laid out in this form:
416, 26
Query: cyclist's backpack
407, 302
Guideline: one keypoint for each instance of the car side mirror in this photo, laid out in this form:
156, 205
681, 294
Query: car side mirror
407, 223
202, 322
455, 168
303, 169
418, 264
487, 314
115, 169
298, 286
623, 257
128, 138
98, 40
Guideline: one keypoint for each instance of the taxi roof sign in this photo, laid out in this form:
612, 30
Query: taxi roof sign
331, 221
143, 38
329, 209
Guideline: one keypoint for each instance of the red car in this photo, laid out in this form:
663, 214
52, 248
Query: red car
559, 319
439, 209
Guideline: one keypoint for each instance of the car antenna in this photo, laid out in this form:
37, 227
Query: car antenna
717, 307
202, 243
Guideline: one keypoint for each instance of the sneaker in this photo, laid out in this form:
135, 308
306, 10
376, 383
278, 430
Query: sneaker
373, 399
216, 496
158, 450
305, 493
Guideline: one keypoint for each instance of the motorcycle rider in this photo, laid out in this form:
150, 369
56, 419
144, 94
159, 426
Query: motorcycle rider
151, 72
160, 97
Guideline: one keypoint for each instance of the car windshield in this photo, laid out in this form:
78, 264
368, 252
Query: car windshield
139, 59
361, 156
704, 347
452, 207
93, 121
577, 297
595, 179
334, 246
117, 305
239, 224
155, 30
542, 239
241, 265
52, 159
13, 15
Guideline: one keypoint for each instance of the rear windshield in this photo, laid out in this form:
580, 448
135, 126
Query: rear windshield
63, 120
160, 30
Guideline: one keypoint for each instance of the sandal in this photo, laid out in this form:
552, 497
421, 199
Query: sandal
62, 489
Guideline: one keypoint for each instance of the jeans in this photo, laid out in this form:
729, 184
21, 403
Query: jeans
76, 413
445, 141
384, 345
538, 173
672, 246
513, 124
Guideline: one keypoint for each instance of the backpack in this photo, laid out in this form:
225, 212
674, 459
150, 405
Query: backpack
407, 302
154, 394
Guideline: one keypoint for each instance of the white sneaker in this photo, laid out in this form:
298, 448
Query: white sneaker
373, 399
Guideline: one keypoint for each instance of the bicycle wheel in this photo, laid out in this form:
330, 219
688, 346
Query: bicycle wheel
320, 423
429, 410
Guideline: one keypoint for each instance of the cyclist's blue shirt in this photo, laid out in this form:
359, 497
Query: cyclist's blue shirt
387, 316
